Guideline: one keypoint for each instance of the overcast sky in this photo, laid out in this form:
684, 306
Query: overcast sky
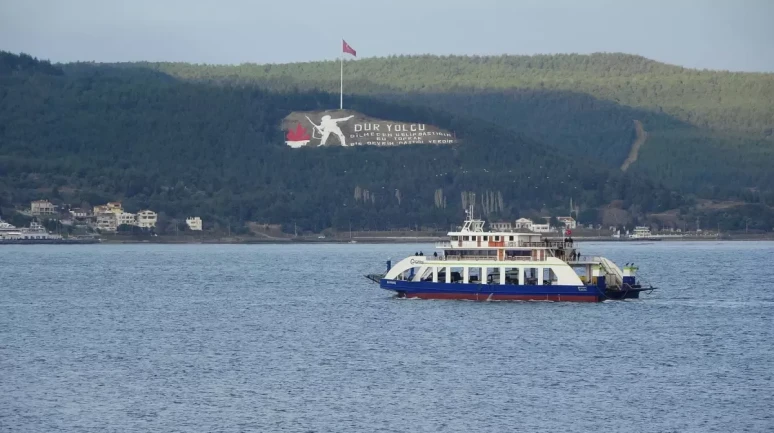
714, 34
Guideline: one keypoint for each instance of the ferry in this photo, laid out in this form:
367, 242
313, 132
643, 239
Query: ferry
36, 231
481, 265
35, 234
641, 232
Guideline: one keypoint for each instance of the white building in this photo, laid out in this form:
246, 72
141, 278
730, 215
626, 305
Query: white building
42, 207
194, 223
146, 219
113, 207
541, 228
501, 226
107, 222
79, 213
523, 223
126, 218
569, 222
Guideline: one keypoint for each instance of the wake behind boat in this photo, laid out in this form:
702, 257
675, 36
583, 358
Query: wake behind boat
481, 266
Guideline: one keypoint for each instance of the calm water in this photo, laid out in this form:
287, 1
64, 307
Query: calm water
293, 338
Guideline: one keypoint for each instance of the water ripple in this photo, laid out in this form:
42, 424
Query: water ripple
293, 338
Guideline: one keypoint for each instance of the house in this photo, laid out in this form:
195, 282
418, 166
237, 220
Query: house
113, 207
523, 223
42, 207
147, 219
194, 223
79, 213
541, 228
502, 226
106, 222
568, 222
126, 218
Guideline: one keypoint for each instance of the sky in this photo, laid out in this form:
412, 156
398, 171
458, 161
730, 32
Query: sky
712, 34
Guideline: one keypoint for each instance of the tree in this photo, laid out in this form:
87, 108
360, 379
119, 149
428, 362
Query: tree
129, 229
191, 147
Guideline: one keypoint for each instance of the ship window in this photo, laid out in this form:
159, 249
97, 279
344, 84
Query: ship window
511, 276
466, 238
531, 276
497, 238
549, 277
456, 274
427, 275
510, 238
486, 238
474, 275
409, 274
492, 275
454, 238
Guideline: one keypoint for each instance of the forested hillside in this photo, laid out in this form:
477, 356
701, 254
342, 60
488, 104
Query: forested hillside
96, 133
710, 132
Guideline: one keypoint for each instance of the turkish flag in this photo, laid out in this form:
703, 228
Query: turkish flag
347, 49
568, 232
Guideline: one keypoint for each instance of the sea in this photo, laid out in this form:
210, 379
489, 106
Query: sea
293, 338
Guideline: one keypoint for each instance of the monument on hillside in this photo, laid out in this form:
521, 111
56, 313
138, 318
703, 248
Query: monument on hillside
330, 126
314, 129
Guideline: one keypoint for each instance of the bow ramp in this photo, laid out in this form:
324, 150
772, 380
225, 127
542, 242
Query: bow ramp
611, 269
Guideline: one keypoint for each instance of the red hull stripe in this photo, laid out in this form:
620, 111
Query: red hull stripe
501, 297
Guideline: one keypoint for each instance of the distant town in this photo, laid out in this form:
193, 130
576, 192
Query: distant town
109, 218
110, 221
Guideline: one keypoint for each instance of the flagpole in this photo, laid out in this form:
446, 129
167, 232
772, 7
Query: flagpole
341, 84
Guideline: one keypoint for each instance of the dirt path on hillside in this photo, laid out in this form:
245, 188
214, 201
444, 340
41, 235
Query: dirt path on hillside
638, 142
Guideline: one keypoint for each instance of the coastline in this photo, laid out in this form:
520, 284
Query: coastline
113, 240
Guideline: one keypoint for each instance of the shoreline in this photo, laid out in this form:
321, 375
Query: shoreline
354, 241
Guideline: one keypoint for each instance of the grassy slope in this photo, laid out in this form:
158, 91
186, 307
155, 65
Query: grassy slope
697, 121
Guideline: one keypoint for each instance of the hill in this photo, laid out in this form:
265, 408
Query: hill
94, 133
709, 132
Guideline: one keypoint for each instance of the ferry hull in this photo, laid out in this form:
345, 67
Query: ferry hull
492, 292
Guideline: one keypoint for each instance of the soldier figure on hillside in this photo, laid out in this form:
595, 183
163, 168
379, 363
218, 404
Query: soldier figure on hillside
327, 126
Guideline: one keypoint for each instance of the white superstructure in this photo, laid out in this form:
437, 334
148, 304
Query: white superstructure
34, 232
641, 232
498, 257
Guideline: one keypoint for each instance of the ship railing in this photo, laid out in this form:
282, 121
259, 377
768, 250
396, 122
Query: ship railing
489, 258
586, 259
511, 244
543, 244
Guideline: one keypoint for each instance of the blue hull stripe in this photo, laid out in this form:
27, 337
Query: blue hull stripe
427, 289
